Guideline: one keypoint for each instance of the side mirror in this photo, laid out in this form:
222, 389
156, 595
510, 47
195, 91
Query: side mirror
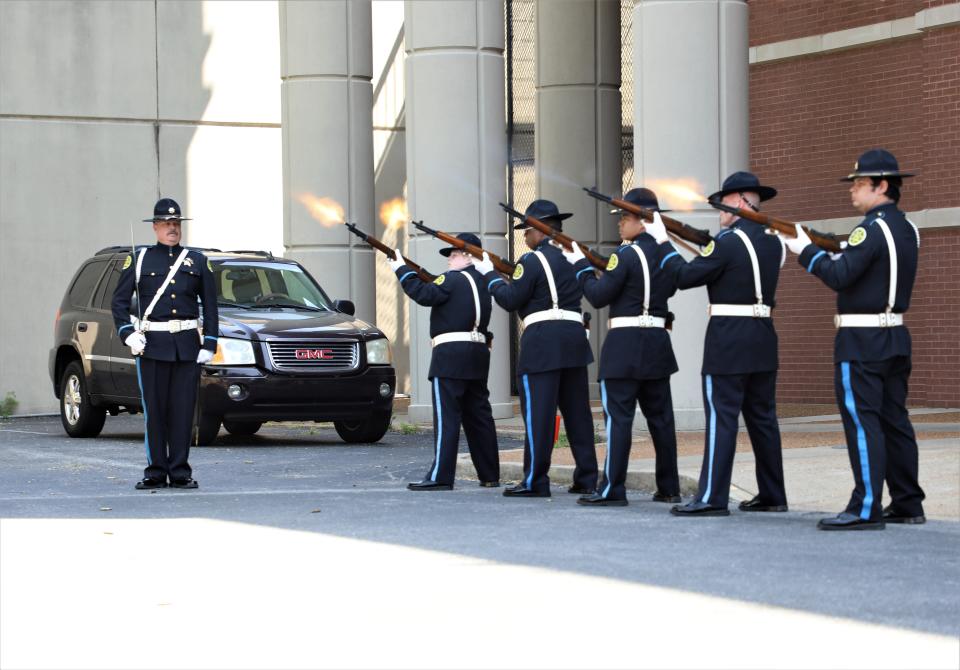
345, 306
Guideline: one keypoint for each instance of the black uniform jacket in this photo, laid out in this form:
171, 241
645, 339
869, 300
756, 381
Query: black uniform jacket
734, 344
547, 345
861, 278
192, 285
632, 353
453, 311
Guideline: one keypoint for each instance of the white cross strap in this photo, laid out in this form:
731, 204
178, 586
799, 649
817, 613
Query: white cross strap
646, 277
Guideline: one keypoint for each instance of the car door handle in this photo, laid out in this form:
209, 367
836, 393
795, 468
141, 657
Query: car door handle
82, 327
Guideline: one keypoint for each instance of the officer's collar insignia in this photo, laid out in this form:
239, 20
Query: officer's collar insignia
857, 236
188, 262
518, 271
707, 250
439, 280
613, 262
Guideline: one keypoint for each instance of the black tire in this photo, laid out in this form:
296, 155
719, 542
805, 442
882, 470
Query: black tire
208, 428
368, 429
77, 414
242, 427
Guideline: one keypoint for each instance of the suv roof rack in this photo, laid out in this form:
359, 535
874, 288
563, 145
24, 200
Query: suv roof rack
251, 252
124, 248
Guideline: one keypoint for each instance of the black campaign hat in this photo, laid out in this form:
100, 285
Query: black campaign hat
740, 182
876, 163
546, 211
167, 209
469, 238
641, 197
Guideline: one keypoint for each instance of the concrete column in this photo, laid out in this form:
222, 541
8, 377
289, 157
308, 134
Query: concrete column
691, 77
578, 121
456, 158
326, 100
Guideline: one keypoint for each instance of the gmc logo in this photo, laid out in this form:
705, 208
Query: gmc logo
309, 354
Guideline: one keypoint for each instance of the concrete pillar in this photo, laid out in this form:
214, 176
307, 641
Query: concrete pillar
456, 158
691, 80
578, 122
326, 98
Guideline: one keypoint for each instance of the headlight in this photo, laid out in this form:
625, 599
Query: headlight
378, 352
233, 352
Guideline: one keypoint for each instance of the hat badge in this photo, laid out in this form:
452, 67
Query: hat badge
171, 210
856, 166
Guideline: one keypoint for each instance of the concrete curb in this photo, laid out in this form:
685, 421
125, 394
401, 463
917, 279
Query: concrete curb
563, 475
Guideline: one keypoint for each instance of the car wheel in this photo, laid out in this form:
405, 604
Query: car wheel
207, 430
77, 414
369, 429
242, 427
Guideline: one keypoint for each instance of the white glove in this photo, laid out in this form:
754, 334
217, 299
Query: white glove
799, 243
395, 264
573, 255
835, 256
205, 356
657, 229
484, 266
137, 342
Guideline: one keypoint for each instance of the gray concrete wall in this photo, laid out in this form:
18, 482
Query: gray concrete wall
104, 106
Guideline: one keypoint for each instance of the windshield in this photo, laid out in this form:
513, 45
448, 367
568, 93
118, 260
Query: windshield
261, 284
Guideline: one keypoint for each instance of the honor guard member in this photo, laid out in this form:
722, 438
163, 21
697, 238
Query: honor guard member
873, 278
459, 366
554, 354
165, 335
637, 357
740, 269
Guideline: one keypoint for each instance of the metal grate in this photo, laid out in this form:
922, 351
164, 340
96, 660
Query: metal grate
325, 355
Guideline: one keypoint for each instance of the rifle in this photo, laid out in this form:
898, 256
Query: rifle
596, 260
388, 252
678, 229
506, 267
826, 241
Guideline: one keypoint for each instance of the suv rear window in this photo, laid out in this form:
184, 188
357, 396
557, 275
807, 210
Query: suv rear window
84, 283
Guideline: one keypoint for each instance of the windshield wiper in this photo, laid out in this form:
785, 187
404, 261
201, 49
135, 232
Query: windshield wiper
293, 305
227, 303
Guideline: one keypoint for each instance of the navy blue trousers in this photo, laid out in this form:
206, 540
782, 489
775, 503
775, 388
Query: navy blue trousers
724, 398
467, 402
168, 391
541, 395
620, 398
872, 396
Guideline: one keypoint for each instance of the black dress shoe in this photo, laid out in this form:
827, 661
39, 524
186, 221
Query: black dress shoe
150, 483
490, 485
891, 515
666, 498
597, 500
184, 483
847, 521
521, 491
757, 505
698, 509
582, 490
429, 485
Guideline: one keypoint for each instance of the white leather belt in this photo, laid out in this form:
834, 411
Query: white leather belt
885, 320
637, 322
472, 336
167, 326
552, 315
754, 311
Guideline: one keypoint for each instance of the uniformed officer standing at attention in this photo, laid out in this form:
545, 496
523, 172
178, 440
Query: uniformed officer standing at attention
459, 366
168, 341
740, 269
554, 354
873, 278
637, 357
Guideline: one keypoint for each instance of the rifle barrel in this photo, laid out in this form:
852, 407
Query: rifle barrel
596, 260
503, 266
422, 273
826, 241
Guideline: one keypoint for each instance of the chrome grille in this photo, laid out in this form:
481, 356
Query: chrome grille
312, 355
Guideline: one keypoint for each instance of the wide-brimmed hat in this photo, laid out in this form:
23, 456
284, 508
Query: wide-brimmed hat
742, 182
167, 209
641, 197
469, 238
876, 163
546, 211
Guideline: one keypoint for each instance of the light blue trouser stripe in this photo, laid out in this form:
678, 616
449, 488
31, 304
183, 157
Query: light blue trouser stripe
861, 441
606, 465
143, 402
708, 380
526, 391
436, 401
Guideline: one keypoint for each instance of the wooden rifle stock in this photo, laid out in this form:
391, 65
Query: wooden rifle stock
503, 266
827, 241
388, 252
595, 259
679, 229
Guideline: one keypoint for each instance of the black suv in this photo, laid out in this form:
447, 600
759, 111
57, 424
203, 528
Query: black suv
285, 352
